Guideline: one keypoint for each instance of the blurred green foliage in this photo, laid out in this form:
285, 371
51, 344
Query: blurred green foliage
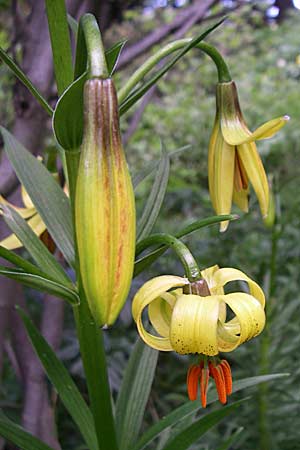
264, 60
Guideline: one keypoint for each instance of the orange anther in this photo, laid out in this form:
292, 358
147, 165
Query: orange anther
227, 376
204, 385
218, 376
193, 376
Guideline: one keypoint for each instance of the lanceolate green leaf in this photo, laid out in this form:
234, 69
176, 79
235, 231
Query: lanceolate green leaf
18, 436
60, 43
25, 80
68, 116
39, 252
49, 199
63, 383
144, 173
134, 394
139, 92
189, 408
233, 438
41, 282
146, 261
156, 198
112, 56
192, 433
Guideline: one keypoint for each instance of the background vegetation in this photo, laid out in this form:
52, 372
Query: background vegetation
264, 57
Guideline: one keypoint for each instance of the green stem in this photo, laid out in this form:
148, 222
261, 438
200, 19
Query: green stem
265, 364
189, 263
91, 343
95, 50
139, 74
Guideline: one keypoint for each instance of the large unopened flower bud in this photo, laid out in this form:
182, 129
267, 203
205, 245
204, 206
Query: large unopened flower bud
105, 208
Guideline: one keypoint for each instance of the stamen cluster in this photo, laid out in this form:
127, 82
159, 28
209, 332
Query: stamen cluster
199, 374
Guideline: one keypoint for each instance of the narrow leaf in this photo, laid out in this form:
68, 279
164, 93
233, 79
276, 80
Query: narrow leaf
192, 433
18, 261
134, 394
63, 383
233, 438
189, 408
39, 252
49, 199
144, 173
145, 261
68, 116
112, 55
139, 92
73, 24
25, 80
156, 198
18, 436
60, 43
41, 282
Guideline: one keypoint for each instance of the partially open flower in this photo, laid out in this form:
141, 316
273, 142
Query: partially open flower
205, 321
233, 159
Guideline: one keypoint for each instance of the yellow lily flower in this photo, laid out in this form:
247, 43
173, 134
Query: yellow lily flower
197, 322
29, 213
233, 159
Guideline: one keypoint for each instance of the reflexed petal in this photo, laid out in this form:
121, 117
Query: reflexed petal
24, 212
227, 274
160, 313
194, 325
270, 128
36, 224
209, 276
256, 174
250, 314
235, 131
148, 293
26, 199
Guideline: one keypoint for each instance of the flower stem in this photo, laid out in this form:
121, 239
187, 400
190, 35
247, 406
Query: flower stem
189, 263
265, 364
91, 343
95, 50
150, 63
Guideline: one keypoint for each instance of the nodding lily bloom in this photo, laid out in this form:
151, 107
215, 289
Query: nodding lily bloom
200, 318
30, 214
233, 159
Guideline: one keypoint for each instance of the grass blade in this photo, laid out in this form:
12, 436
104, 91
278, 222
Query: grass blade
39, 252
134, 393
25, 80
42, 283
189, 408
18, 436
41, 188
156, 197
63, 383
233, 438
60, 43
192, 433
